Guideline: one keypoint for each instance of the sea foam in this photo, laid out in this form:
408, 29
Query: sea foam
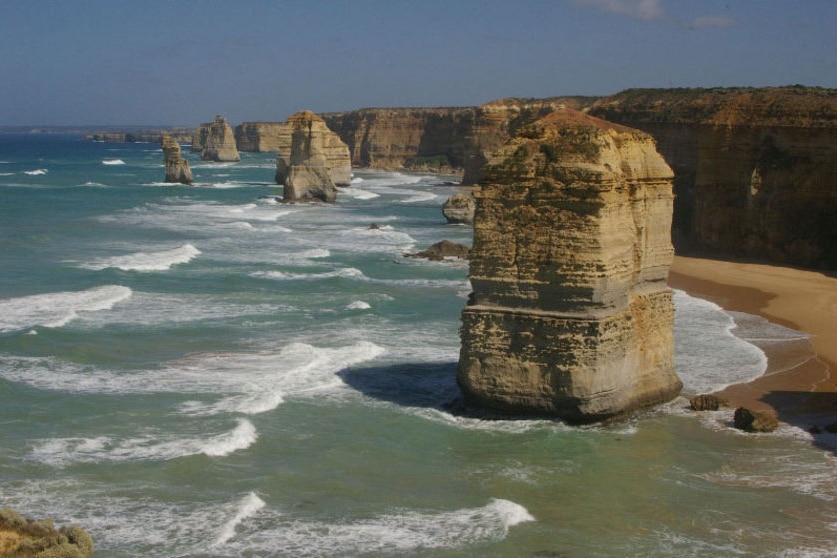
113, 162
147, 261
59, 452
57, 309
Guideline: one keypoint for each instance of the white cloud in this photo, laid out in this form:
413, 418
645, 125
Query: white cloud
638, 9
714, 21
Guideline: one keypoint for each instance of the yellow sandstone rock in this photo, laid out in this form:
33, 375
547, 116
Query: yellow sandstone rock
570, 314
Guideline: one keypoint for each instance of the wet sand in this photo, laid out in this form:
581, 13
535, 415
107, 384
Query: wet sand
796, 385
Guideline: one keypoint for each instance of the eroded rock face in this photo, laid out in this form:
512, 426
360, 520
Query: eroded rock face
177, 168
756, 169
263, 137
459, 209
216, 141
570, 314
318, 161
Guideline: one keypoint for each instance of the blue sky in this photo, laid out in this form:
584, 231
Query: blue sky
180, 62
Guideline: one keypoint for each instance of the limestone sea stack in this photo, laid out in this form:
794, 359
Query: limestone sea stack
177, 168
318, 161
571, 315
216, 141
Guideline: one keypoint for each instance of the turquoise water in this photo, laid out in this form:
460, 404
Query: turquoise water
201, 371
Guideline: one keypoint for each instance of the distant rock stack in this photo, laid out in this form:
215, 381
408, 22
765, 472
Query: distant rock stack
318, 161
571, 315
177, 168
216, 141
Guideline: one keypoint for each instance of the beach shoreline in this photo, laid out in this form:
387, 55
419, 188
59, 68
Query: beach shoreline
803, 300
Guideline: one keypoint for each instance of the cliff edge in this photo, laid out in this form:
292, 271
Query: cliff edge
570, 314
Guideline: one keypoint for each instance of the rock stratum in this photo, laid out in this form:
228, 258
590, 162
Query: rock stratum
317, 163
177, 168
26, 538
215, 141
570, 314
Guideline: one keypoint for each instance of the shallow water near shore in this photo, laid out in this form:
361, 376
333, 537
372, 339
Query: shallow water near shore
201, 371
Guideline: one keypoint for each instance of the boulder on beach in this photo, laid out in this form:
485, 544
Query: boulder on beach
460, 209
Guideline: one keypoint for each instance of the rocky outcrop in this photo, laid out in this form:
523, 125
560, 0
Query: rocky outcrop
441, 250
215, 141
449, 139
754, 421
25, 538
459, 209
755, 169
177, 168
263, 137
570, 314
318, 161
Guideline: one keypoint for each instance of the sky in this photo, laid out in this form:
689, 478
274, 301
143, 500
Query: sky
181, 62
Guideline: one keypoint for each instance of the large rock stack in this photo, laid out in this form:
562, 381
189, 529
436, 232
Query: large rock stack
216, 141
177, 168
571, 315
318, 161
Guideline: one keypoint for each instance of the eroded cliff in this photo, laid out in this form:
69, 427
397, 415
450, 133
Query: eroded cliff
570, 314
755, 169
437, 139
263, 137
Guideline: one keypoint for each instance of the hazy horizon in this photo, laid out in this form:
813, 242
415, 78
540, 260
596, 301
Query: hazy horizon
178, 64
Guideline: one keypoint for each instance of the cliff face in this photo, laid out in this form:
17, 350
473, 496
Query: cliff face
570, 314
756, 169
215, 141
436, 139
177, 168
263, 137
318, 161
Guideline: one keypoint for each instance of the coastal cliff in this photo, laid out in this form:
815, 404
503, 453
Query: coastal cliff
570, 314
263, 137
755, 169
317, 163
177, 168
215, 141
21, 537
436, 139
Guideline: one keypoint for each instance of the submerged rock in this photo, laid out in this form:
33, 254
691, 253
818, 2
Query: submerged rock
318, 161
459, 208
754, 421
177, 168
571, 315
25, 538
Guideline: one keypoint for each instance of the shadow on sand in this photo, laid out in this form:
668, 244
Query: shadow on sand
812, 412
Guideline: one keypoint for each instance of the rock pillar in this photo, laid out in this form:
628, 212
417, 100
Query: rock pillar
177, 168
571, 315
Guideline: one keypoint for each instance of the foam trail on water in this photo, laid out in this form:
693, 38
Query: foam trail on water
147, 261
113, 162
246, 508
57, 309
60, 452
36, 172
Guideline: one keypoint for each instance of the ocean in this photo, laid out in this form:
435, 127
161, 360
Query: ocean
202, 371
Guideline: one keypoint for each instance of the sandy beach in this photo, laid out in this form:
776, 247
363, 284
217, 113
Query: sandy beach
794, 387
